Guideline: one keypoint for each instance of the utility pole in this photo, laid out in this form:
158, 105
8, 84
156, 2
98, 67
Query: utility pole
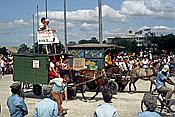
37, 20
33, 16
100, 21
65, 26
37, 28
46, 7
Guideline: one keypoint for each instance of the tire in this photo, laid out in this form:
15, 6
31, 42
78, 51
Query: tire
113, 86
143, 108
160, 105
37, 89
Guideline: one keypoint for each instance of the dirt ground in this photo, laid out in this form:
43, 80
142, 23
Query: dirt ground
128, 105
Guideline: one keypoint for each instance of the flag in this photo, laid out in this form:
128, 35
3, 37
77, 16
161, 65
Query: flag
138, 32
147, 29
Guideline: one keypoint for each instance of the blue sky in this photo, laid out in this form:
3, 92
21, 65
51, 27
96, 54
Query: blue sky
119, 16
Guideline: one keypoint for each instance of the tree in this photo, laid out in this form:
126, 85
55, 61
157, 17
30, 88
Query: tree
130, 45
4, 51
71, 43
23, 49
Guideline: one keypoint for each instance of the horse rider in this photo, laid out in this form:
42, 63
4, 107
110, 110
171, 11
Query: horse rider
145, 64
162, 77
137, 63
108, 60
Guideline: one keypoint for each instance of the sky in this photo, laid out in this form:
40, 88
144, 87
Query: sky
119, 16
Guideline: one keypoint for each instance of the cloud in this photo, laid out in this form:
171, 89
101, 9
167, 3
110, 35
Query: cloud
158, 29
162, 29
86, 26
135, 8
87, 15
113, 15
5, 27
162, 8
154, 8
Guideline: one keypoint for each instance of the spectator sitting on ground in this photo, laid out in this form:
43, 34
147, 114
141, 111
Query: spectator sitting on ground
150, 103
15, 102
106, 109
47, 107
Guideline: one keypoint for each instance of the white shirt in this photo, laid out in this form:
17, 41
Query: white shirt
106, 110
51, 66
2, 63
145, 63
41, 25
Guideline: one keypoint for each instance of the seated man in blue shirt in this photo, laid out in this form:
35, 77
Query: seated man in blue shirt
162, 77
15, 102
106, 109
47, 107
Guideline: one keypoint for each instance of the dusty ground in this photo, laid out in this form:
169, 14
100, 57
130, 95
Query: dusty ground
128, 105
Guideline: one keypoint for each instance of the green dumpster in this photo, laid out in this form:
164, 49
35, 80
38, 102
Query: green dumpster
31, 68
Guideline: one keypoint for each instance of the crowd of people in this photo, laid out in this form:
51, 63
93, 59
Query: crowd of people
143, 60
6, 64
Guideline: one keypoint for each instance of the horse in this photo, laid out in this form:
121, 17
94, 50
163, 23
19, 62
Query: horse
93, 79
120, 76
144, 74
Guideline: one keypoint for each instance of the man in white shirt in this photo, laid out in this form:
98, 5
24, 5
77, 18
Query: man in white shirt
106, 109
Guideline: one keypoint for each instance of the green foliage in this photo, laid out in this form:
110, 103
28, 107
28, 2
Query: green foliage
164, 42
71, 43
130, 45
4, 51
93, 40
23, 49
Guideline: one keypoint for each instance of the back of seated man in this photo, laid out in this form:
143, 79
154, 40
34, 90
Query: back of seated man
150, 103
106, 109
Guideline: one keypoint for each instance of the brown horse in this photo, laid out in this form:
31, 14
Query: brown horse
141, 73
92, 79
121, 77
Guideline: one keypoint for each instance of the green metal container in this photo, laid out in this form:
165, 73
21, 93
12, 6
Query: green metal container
31, 68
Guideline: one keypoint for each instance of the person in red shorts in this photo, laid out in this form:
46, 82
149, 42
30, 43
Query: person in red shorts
52, 71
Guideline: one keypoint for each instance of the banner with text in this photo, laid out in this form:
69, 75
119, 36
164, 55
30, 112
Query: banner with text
46, 37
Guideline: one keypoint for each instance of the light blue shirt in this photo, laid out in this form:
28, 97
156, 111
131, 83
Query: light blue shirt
148, 114
46, 108
161, 78
105, 110
58, 86
17, 106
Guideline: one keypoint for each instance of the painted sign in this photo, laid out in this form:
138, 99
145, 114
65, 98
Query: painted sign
78, 63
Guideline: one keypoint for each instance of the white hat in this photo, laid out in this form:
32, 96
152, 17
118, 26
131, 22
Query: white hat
46, 20
165, 68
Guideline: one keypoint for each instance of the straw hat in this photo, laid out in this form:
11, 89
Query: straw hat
165, 68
